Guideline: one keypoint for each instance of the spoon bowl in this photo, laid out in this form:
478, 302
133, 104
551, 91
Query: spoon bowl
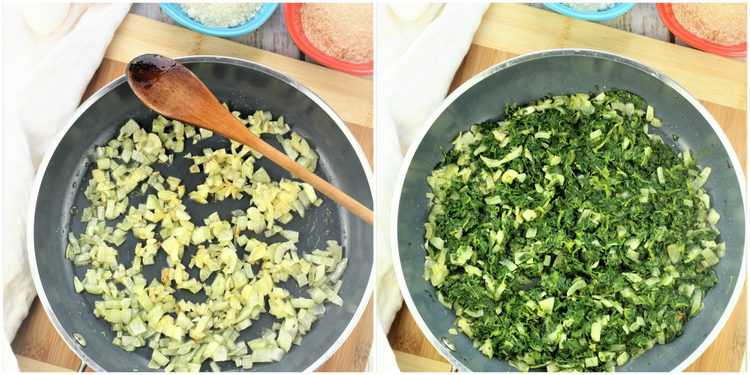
168, 87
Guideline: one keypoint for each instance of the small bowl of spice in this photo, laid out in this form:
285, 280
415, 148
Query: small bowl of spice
711, 27
591, 11
336, 35
220, 19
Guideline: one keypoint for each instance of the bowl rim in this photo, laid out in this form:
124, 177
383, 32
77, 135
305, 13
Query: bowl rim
83, 107
666, 14
265, 12
291, 15
601, 15
406, 164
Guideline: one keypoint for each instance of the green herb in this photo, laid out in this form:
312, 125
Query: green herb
568, 237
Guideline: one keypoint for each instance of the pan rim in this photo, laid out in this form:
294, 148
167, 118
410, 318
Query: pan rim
83, 107
448, 101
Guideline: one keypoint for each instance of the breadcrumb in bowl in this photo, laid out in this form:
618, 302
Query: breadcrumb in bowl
715, 28
721, 23
343, 44
343, 31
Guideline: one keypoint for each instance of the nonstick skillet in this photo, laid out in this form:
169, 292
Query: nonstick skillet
245, 86
557, 72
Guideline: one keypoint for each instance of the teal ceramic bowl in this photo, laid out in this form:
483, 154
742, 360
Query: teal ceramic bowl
604, 15
174, 11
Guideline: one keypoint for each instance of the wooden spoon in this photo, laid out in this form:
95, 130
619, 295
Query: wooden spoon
171, 89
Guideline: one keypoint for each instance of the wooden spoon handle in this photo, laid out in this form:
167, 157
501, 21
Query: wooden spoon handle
241, 134
171, 89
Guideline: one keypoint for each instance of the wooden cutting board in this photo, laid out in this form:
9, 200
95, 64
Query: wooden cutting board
37, 344
508, 30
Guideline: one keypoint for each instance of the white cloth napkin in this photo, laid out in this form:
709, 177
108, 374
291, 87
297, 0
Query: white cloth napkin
51, 51
420, 47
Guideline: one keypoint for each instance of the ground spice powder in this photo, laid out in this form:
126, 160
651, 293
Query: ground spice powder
724, 24
343, 31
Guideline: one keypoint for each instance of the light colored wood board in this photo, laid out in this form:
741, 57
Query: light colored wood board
405, 336
350, 96
414, 363
272, 36
727, 353
643, 19
107, 71
364, 137
26, 364
477, 59
38, 340
520, 29
734, 124
354, 354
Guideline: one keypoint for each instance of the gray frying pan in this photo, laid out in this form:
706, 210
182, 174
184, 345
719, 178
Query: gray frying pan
58, 199
530, 77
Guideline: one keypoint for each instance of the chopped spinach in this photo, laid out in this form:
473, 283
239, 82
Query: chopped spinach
567, 236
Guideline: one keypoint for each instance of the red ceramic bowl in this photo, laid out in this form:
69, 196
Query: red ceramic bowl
667, 16
294, 26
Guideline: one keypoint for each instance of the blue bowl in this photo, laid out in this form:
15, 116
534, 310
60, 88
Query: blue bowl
175, 12
605, 15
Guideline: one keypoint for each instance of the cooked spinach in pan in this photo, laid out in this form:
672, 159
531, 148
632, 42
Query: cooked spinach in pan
569, 236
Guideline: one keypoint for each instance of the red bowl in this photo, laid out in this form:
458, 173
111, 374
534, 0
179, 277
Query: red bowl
667, 16
294, 27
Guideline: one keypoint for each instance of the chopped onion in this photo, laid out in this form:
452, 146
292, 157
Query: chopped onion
247, 270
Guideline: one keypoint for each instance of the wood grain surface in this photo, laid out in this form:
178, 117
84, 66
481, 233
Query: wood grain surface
272, 36
37, 344
32, 365
642, 19
414, 363
719, 83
